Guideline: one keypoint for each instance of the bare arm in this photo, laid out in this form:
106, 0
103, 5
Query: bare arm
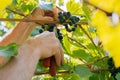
23, 29
23, 66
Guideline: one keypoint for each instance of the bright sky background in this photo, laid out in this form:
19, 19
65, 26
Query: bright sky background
64, 6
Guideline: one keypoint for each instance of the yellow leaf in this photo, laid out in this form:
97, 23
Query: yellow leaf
109, 34
4, 3
117, 7
74, 7
107, 5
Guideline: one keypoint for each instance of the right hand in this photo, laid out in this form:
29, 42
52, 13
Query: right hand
46, 44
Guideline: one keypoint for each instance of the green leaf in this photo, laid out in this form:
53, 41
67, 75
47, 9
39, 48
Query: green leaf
9, 50
66, 66
82, 71
14, 2
61, 2
91, 46
66, 44
74, 7
111, 78
93, 77
2, 32
6, 52
97, 76
118, 76
86, 11
80, 53
69, 77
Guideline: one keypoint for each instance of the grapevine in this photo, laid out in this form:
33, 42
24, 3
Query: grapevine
87, 33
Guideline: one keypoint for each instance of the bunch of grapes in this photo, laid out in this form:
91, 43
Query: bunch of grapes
68, 20
112, 68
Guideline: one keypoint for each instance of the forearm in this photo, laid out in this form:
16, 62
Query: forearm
21, 67
19, 34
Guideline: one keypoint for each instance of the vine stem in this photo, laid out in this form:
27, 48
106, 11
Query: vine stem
15, 12
98, 70
101, 59
30, 20
89, 38
60, 72
40, 21
78, 43
87, 2
21, 14
70, 72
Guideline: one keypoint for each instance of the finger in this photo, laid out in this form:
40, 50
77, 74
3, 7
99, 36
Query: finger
58, 57
62, 55
44, 34
48, 18
55, 12
39, 11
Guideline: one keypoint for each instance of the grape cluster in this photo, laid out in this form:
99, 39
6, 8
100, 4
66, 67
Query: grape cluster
41, 30
51, 29
112, 68
68, 20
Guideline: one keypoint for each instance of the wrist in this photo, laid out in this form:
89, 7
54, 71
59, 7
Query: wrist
30, 48
31, 17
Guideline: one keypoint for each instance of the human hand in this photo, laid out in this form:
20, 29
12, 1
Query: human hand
45, 14
40, 14
47, 45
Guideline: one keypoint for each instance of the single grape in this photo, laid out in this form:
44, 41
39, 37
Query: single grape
70, 23
60, 37
73, 29
61, 19
40, 31
51, 27
77, 19
75, 25
114, 71
73, 19
58, 31
67, 28
67, 15
60, 13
